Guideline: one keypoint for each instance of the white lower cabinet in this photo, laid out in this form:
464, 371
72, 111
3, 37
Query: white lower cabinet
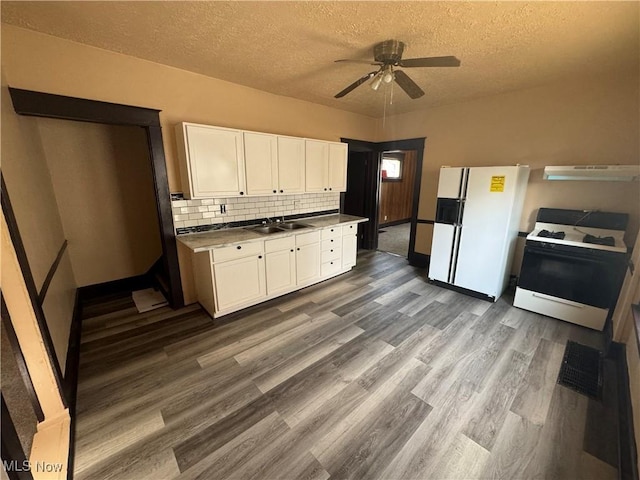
280, 265
238, 282
307, 257
349, 245
234, 277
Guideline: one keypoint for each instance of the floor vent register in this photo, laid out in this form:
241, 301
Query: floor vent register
581, 370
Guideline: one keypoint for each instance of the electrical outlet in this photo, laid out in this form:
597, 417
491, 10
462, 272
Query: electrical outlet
223, 208
385, 217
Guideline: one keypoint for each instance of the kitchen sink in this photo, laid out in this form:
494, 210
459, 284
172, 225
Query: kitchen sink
292, 225
277, 228
266, 229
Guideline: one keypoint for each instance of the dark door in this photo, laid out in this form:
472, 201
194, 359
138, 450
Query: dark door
361, 196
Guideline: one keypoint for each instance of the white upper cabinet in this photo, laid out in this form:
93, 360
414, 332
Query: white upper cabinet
261, 163
291, 165
222, 162
317, 166
326, 166
338, 167
211, 161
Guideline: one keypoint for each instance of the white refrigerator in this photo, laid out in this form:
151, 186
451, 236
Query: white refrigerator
476, 227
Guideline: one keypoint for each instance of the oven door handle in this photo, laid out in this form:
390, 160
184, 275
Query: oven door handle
558, 300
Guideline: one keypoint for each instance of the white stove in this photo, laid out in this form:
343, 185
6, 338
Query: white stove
576, 236
573, 266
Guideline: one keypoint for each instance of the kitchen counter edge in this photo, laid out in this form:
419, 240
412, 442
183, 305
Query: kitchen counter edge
201, 242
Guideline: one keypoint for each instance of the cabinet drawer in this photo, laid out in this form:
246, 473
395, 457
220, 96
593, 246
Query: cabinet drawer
330, 244
307, 238
330, 268
278, 244
348, 229
332, 232
333, 254
241, 250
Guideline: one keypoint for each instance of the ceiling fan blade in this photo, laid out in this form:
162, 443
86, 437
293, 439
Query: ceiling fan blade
408, 85
368, 62
449, 61
355, 84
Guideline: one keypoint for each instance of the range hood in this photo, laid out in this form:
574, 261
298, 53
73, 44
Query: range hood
593, 172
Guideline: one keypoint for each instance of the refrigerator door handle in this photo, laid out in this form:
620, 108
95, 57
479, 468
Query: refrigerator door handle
454, 252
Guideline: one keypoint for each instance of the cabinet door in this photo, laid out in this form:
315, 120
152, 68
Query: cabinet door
216, 161
239, 281
338, 167
349, 250
281, 271
307, 263
291, 165
317, 166
261, 163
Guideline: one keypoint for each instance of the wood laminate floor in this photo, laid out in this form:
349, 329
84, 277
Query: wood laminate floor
375, 374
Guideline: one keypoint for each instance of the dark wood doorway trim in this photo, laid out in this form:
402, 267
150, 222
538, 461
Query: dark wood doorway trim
27, 102
416, 144
373, 191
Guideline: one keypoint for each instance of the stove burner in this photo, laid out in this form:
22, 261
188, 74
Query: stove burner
548, 234
609, 241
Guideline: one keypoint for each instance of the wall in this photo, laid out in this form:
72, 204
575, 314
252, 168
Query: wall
40, 62
580, 121
396, 197
103, 185
30, 189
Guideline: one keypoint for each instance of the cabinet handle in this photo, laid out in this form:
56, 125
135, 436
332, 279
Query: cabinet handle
241, 193
298, 248
239, 247
331, 241
331, 263
275, 191
259, 256
325, 189
332, 249
330, 188
281, 191
292, 249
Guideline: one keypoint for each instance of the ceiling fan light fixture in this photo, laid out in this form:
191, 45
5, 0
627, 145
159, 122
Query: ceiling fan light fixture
387, 75
375, 83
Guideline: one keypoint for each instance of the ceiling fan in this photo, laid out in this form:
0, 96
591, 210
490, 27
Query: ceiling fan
388, 55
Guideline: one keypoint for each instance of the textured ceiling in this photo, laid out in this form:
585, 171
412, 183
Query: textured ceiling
289, 48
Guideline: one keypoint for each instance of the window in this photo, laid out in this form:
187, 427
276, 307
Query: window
392, 167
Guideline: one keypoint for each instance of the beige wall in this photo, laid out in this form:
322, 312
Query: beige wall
585, 121
29, 186
44, 63
103, 185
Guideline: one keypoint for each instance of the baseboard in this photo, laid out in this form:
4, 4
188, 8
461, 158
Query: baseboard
627, 452
419, 259
115, 287
395, 222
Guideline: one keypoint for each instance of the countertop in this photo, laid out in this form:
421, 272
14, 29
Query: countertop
200, 242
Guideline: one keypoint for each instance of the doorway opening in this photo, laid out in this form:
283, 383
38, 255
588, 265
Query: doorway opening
398, 171
383, 180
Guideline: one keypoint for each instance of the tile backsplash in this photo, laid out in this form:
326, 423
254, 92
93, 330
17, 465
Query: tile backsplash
208, 211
